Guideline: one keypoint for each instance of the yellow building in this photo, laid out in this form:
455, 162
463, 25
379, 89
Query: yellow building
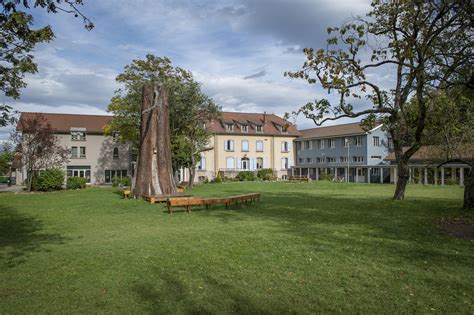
247, 142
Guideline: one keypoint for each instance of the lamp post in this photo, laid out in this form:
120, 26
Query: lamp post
348, 144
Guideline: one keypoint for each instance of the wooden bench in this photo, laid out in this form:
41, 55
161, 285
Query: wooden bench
164, 198
299, 178
199, 201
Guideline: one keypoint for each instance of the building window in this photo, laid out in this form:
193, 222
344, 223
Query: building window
357, 159
230, 163
229, 145
308, 145
229, 127
332, 143
259, 129
331, 159
374, 171
259, 146
74, 152
343, 159
284, 163
111, 174
319, 160
300, 160
321, 144
285, 147
116, 153
390, 143
346, 142
244, 128
358, 141
376, 141
78, 135
202, 164
309, 160
376, 157
115, 136
245, 146
259, 163
79, 171
82, 152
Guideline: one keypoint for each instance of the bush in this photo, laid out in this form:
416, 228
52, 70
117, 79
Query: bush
76, 183
124, 181
266, 174
218, 179
4, 179
246, 176
50, 179
325, 176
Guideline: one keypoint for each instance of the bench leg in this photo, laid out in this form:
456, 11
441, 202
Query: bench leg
187, 209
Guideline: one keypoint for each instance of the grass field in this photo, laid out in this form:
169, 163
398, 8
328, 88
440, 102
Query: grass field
306, 247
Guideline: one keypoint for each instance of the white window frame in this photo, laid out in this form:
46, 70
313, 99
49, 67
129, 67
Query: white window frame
332, 143
257, 149
358, 141
118, 153
321, 144
285, 148
244, 128
78, 135
82, 155
259, 129
376, 141
229, 146
229, 127
242, 148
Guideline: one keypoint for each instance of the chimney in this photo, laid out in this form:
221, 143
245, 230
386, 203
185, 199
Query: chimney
264, 116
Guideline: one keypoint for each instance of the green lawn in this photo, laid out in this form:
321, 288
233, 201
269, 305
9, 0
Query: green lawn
318, 247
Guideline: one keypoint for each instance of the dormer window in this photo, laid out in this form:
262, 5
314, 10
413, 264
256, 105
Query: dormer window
229, 127
259, 129
78, 135
244, 128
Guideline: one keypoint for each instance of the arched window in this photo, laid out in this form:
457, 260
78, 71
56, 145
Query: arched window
285, 147
259, 163
259, 146
202, 164
116, 153
284, 163
230, 162
245, 146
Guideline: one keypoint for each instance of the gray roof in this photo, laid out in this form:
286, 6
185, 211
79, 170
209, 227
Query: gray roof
332, 131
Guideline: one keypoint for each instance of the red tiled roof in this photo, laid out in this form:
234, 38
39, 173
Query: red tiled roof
64, 122
433, 153
270, 122
333, 131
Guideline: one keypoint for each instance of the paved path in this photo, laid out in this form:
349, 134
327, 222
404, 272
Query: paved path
6, 188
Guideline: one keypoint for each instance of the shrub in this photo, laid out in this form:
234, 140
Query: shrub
325, 176
218, 179
246, 176
124, 181
266, 174
76, 183
50, 179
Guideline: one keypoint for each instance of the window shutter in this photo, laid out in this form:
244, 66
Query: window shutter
231, 145
239, 163
282, 163
225, 145
264, 162
290, 163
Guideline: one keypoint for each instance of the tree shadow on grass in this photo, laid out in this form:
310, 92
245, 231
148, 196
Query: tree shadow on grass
395, 229
169, 295
21, 235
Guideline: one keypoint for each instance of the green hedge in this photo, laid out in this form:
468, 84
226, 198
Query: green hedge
76, 183
266, 174
124, 181
246, 176
50, 179
3, 179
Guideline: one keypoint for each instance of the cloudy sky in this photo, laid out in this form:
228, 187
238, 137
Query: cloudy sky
238, 50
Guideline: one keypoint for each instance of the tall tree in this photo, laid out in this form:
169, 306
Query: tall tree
189, 108
18, 39
420, 43
450, 131
38, 146
154, 174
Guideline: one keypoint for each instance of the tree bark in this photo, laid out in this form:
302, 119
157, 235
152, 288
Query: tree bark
469, 189
154, 174
402, 180
192, 175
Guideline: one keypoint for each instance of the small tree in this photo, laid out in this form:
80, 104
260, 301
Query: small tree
38, 146
425, 45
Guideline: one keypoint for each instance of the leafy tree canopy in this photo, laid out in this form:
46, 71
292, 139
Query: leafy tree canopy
18, 39
189, 108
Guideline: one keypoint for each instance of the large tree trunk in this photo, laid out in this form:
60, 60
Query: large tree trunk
402, 180
154, 174
469, 189
192, 176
